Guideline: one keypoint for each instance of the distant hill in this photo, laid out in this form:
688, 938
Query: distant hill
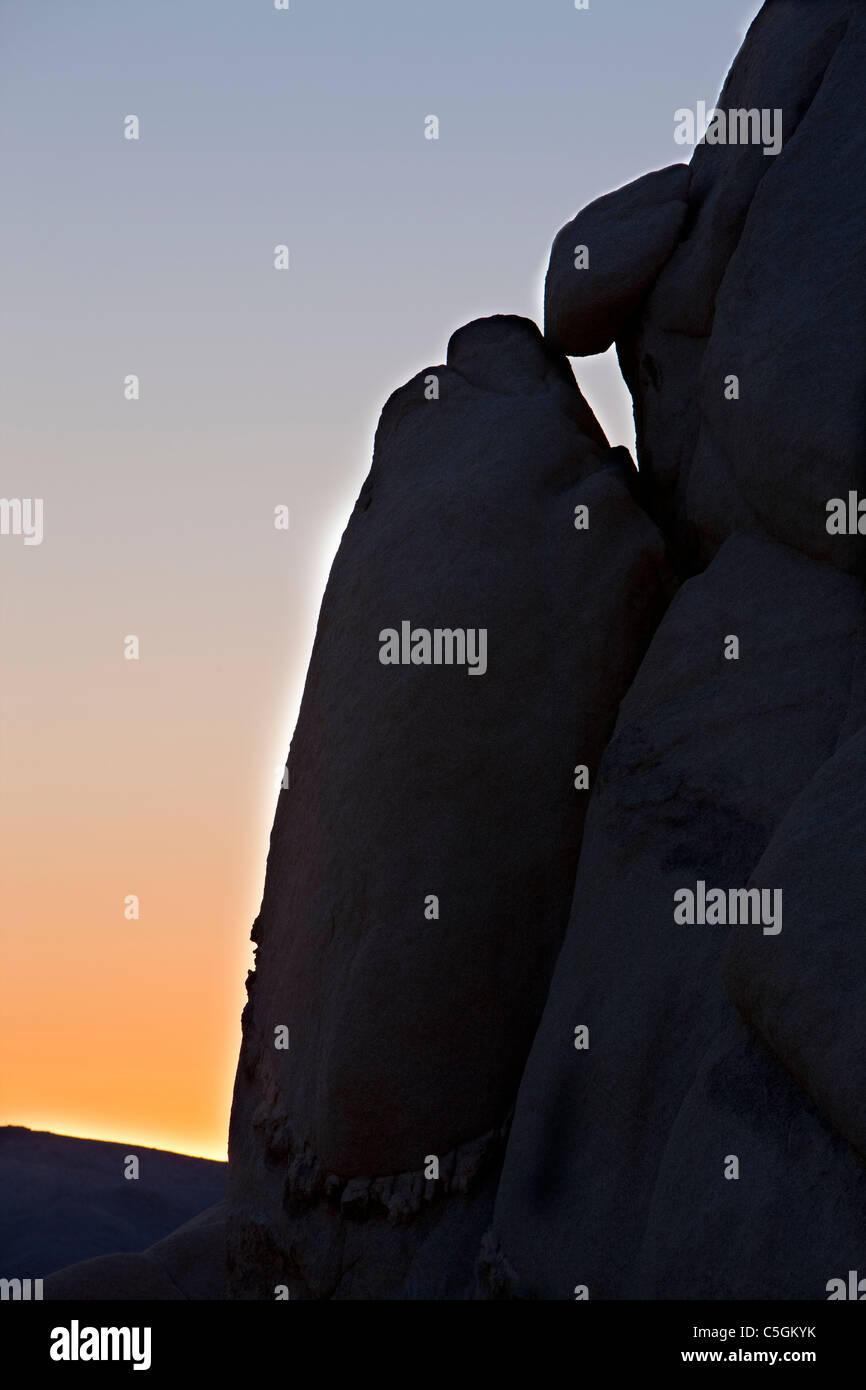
64, 1199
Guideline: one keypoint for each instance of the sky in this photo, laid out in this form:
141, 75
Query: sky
258, 388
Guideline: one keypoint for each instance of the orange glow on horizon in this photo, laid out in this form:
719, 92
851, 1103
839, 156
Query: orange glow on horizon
166, 1142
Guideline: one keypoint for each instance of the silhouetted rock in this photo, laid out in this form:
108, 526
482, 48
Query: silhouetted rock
783, 1091
804, 993
765, 287
733, 291
194, 1256
604, 261
794, 1217
408, 1032
707, 756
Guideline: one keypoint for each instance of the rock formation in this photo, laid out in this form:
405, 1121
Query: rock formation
707, 756
632, 233
492, 1048
423, 856
716, 1042
767, 286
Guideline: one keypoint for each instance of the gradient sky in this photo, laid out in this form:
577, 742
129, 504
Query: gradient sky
258, 388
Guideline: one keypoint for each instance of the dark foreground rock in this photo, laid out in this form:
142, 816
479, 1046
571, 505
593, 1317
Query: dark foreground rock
605, 260
748, 362
423, 857
707, 757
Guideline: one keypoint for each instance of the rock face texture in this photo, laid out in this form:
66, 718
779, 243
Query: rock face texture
561, 957
423, 856
707, 1139
766, 286
783, 1085
605, 260
707, 756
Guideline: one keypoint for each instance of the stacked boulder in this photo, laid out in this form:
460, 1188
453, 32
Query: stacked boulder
707, 1139
423, 856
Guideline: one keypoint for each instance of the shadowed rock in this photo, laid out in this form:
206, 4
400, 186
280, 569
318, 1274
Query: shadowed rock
804, 992
604, 261
793, 1219
782, 1088
707, 756
766, 286
408, 1032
